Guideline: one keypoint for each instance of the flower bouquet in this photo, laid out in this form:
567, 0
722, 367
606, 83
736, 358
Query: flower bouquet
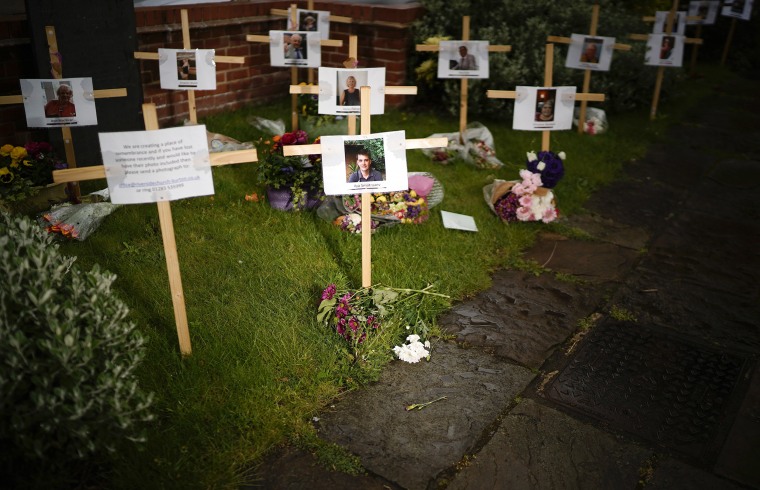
529, 199
477, 148
407, 207
369, 321
78, 221
298, 178
26, 170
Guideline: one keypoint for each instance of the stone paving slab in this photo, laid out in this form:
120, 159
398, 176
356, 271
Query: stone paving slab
607, 230
739, 458
537, 447
411, 447
672, 474
522, 317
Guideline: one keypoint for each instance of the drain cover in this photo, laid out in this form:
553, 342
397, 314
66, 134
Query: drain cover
654, 386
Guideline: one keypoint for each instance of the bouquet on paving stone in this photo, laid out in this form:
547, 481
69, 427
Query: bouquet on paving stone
529, 199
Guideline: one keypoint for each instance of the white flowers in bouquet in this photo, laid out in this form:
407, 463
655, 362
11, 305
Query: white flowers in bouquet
413, 350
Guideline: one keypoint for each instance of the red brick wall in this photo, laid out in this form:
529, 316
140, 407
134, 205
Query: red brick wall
383, 34
383, 31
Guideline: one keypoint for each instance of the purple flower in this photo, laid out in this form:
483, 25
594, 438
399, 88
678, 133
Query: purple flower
506, 206
550, 166
329, 292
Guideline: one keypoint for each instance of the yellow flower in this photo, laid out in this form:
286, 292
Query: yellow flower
6, 150
380, 199
6, 176
412, 193
18, 153
14, 164
28, 162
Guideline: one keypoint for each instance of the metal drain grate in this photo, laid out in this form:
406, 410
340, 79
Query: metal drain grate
655, 386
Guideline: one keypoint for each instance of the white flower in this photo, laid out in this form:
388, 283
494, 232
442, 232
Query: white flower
561, 155
413, 351
531, 156
540, 166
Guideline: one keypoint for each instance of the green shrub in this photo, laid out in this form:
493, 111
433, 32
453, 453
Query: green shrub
68, 355
525, 25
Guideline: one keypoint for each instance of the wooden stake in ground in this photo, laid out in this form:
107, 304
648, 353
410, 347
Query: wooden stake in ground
495, 48
587, 72
293, 150
548, 75
165, 218
56, 69
293, 69
192, 112
661, 69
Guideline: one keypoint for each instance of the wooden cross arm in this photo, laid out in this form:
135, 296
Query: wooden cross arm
99, 171
645, 37
567, 40
389, 90
492, 48
260, 38
333, 18
221, 59
512, 94
98, 94
413, 144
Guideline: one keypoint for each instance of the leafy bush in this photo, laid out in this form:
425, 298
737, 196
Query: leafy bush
68, 387
525, 25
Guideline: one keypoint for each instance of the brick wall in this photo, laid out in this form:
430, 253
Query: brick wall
383, 31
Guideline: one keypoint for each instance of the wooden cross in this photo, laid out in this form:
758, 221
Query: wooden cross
411, 144
353, 49
165, 219
192, 112
495, 48
661, 69
293, 69
309, 6
587, 72
57, 71
548, 73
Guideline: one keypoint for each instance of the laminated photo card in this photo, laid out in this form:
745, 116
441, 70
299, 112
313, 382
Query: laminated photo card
187, 69
295, 48
590, 52
355, 164
59, 102
661, 21
339, 90
738, 9
544, 108
311, 21
664, 50
158, 165
463, 59
706, 9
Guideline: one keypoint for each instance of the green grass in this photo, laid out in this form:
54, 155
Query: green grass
261, 366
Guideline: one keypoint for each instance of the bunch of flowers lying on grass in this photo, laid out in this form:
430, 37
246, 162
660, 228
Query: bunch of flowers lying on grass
413, 350
369, 321
25, 169
411, 206
529, 199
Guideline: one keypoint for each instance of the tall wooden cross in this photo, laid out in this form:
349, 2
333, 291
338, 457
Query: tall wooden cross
165, 219
661, 69
257, 38
353, 49
192, 111
492, 48
548, 75
56, 69
411, 144
293, 22
587, 72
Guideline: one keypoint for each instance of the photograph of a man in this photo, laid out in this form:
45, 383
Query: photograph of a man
591, 50
466, 61
63, 105
295, 48
364, 171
